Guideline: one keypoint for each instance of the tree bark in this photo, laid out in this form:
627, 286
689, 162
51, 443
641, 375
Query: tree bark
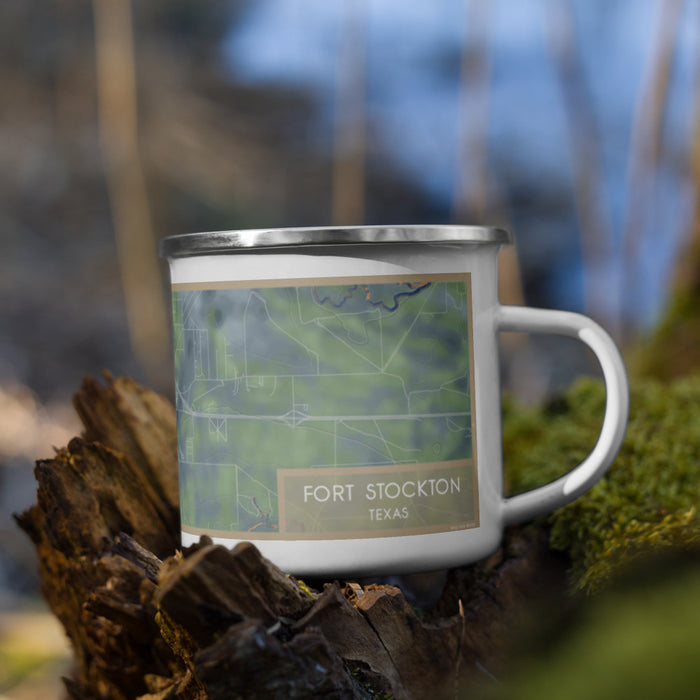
149, 621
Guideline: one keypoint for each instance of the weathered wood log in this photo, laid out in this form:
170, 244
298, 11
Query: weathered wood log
148, 621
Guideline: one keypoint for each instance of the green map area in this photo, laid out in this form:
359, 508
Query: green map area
313, 377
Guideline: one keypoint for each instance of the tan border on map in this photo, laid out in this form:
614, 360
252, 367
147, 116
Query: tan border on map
327, 281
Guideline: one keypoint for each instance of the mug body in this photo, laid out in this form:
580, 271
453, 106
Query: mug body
338, 396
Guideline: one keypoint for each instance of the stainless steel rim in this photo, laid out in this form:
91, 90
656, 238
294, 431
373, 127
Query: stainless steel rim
215, 242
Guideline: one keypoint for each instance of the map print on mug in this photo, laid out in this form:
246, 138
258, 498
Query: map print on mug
333, 410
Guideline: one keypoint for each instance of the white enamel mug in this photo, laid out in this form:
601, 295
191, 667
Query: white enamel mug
338, 395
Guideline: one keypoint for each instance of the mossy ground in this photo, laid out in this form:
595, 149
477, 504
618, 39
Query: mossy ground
639, 639
647, 501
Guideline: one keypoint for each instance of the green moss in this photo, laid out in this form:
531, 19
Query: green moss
359, 678
648, 499
304, 588
639, 641
671, 350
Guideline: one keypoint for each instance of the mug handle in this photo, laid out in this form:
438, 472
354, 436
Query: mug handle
567, 488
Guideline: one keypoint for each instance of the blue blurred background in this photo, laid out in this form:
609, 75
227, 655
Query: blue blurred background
576, 123
480, 100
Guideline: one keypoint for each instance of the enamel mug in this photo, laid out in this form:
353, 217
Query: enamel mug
338, 395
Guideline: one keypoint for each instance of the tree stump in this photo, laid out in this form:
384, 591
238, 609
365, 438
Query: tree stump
149, 621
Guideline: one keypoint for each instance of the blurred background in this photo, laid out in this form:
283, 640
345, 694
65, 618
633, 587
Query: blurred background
575, 123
